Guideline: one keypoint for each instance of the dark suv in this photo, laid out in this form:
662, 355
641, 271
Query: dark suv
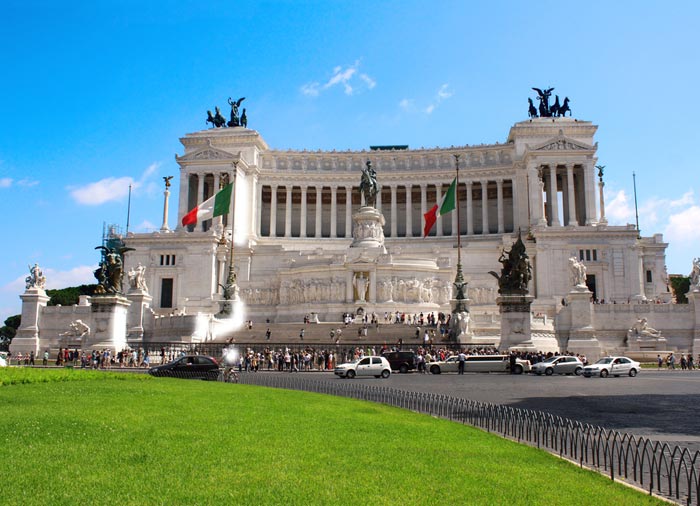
189, 367
402, 361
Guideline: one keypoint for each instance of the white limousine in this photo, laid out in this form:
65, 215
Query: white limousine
480, 363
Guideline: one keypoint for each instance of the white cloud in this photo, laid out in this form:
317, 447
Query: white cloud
26, 182
145, 226
111, 189
617, 209
683, 227
347, 77
406, 104
81, 275
442, 94
105, 190
5, 182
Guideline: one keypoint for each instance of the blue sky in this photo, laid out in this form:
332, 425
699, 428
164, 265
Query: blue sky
95, 95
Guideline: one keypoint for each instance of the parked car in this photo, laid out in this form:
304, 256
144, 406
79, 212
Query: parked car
189, 367
612, 365
402, 361
480, 363
378, 367
559, 364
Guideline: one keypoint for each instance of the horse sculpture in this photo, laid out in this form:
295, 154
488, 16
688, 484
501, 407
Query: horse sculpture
368, 185
532, 111
555, 108
217, 120
564, 107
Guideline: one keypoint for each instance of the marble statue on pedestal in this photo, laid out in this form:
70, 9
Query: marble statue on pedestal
578, 272
695, 276
36, 278
641, 330
361, 283
137, 278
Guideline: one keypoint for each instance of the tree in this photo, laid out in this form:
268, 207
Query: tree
8, 331
70, 295
680, 286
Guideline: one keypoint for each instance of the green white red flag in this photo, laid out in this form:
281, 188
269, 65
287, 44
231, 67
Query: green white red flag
447, 203
217, 205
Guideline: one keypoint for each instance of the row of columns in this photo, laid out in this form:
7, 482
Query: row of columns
394, 210
578, 197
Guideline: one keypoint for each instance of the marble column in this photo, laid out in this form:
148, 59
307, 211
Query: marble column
200, 195
554, 192
438, 198
589, 192
258, 214
499, 194
273, 210
470, 209
183, 198
378, 203
423, 199
573, 221
319, 205
334, 211
303, 218
409, 211
394, 213
484, 207
217, 223
603, 219
288, 213
348, 211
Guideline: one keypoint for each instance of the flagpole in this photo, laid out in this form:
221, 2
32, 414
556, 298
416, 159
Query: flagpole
231, 271
459, 283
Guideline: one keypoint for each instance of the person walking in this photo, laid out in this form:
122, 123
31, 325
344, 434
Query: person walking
462, 358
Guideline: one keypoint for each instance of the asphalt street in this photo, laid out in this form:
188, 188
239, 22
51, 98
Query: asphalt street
659, 405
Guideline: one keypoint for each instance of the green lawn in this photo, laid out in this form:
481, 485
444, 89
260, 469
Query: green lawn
130, 439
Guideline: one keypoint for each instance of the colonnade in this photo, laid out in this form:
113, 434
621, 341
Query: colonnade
487, 207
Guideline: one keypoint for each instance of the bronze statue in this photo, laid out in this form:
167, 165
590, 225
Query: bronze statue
554, 110
244, 119
532, 112
516, 271
368, 185
109, 273
167, 181
216, 120
234, 111
544, 101
565, 107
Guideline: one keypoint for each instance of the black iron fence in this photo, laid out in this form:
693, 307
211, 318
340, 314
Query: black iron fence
669, 471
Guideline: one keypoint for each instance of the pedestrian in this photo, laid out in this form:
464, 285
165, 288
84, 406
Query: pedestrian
301, 334
462, 358
671, 361
659, 361
268, 334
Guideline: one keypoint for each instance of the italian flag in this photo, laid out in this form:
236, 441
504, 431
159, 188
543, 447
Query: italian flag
447, 203
214, 206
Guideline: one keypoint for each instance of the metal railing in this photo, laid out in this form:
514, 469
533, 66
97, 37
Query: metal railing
668, 471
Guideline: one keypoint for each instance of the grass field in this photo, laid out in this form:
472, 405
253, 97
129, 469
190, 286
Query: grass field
72, 437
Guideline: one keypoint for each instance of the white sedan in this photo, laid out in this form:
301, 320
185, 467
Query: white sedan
378, 367
616, 366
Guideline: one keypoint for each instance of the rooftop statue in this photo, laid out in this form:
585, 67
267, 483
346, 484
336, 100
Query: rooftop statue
516, 271
109, 273
216, 120
368, 185
36, 278
235, 121
544, 109
695, 276
578, 272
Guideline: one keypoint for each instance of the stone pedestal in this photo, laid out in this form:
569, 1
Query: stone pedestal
368, 229
140, 302
582, 334
694, 299
28, 336
515, 322
109, 319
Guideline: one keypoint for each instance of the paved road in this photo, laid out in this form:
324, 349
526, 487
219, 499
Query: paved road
659, 405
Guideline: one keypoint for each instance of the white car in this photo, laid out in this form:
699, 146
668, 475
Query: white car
479, 363
378, 367
559, 364
3, 359
615, 366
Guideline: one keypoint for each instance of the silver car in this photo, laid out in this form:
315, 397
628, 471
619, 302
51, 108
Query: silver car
378, 367
615, 366
559, 364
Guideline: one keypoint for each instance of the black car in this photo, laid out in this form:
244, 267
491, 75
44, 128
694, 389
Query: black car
402, 361
188, 367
